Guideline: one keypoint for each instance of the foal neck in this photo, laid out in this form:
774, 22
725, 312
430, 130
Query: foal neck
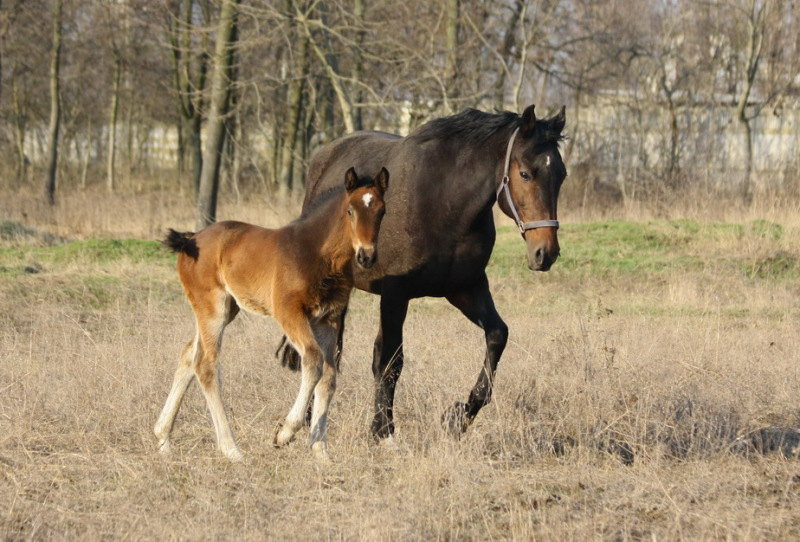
328, 231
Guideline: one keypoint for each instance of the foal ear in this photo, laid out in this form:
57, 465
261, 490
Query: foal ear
556, 124
351, 180
382, 180
528, 121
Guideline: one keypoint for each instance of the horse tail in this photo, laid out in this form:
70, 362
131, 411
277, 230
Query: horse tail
288, 356
182, 243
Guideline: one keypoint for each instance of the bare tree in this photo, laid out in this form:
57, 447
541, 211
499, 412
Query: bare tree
55, 106
754, 15
190, 69
220, 96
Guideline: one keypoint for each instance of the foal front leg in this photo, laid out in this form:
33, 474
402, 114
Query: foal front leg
327, 336
298, 331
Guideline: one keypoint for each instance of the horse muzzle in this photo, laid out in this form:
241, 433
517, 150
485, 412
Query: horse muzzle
365, 257
542, 255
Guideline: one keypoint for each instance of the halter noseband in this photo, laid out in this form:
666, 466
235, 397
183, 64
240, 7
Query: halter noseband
523, 226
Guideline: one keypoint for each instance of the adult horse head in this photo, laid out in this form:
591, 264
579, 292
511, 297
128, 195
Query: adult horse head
532, 175
439, 232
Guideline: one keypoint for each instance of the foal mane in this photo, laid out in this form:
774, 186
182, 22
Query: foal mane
476, 127
325, 197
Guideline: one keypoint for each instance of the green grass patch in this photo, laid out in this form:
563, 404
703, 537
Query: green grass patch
91, 251
622, 248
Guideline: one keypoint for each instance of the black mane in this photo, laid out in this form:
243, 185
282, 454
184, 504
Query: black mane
472, 125
478, 126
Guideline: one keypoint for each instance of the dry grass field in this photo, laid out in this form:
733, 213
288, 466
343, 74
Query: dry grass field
650, 390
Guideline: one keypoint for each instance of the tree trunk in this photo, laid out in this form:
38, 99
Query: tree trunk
195, 128
19, 134
747, 129
55, 107
294, 100
453, 8
331, 66
755, 40
358, 65
505, 54
189, 88
87, 152
112, 122
220, 91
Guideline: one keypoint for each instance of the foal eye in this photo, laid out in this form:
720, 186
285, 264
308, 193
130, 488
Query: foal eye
350, 211
525, 176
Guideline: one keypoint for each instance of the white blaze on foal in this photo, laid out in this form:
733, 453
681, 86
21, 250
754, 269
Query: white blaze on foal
367, 199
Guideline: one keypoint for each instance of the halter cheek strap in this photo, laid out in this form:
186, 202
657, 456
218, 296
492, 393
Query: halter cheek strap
523, 226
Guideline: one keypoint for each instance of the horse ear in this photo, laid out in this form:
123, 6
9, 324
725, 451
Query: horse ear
556, 124
351, 180
528, 121
382, 180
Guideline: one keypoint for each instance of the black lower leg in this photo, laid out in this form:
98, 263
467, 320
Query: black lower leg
387, 363
476, 303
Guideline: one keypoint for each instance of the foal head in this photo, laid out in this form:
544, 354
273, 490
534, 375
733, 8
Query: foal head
535, 174
365, 209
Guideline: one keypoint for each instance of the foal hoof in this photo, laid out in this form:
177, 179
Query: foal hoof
320, 451
455, 420
283, 436
164, 447
233, 454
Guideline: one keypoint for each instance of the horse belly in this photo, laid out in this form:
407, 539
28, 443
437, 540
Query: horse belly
250, 302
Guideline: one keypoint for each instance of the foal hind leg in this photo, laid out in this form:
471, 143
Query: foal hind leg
210, 325
326, 336
476, 303
183, 377
298, 331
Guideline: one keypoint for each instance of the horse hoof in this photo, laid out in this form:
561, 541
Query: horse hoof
234, 454
320, 451
283, 436
164, 447
455, 420
389, 444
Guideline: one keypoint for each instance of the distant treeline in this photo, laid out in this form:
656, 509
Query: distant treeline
657, 93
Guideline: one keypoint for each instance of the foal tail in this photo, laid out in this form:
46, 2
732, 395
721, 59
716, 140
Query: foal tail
182, 242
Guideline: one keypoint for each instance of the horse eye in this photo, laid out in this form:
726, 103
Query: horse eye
350, 211
525, 176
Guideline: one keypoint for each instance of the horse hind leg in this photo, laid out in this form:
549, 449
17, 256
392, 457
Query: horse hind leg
211, 325
184, 374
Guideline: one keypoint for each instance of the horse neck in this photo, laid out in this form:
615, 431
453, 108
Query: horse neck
329, 232
486, 174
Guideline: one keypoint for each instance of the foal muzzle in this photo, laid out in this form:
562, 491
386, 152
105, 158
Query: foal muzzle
365, 257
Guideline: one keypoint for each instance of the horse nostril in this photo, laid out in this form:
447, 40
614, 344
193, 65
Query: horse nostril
539, 256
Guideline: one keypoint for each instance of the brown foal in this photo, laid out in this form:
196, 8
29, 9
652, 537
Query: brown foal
299, 274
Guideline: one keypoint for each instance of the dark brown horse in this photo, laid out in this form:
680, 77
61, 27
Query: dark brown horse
439, 230
300, 274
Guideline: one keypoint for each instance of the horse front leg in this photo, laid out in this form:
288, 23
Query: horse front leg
476, 303
387, 361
